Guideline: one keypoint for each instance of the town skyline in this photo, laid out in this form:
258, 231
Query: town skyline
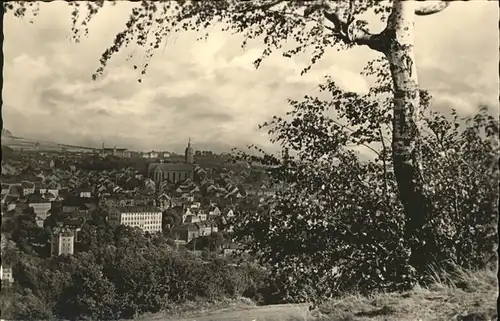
209, 90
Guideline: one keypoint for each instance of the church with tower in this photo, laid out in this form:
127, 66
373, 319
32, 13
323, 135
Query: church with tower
173, 172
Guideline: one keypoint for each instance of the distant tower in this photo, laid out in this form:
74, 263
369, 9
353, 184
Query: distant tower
188, 155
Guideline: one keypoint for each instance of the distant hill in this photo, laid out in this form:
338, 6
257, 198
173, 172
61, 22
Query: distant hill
27, 144
6, 132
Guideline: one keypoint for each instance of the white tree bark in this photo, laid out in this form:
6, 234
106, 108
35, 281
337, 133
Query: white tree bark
398, 39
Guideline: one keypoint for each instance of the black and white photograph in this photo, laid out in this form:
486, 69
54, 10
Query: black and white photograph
250, 160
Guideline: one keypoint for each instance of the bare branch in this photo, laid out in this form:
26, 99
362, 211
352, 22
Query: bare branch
428, 8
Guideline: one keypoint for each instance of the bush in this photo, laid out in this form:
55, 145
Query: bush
126, 275
336, 224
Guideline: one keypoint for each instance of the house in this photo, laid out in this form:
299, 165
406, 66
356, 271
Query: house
28, 188
118, 152
74, 225
230, 248
202, 216
204, 228
16, 190
51, 188
148, 219
230, 213
49, 196
213, 227
191, 218
214, 211
85, 192
74, 203
185, 233
163, 201
6, 274
62, 242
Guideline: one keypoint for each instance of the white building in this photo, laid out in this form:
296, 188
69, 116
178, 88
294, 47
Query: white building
147, 219
63, 242
53, 191
6, 274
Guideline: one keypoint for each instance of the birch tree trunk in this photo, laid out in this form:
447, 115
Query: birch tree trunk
399, 50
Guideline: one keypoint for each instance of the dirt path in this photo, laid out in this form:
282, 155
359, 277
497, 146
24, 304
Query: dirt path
285, 312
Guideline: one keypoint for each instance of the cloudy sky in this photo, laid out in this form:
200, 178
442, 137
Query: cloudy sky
209, 90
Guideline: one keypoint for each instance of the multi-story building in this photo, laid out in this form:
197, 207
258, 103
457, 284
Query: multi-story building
147, 219
119, 152
62, 242
6, 274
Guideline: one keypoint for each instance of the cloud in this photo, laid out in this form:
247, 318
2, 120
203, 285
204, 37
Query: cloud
209, 90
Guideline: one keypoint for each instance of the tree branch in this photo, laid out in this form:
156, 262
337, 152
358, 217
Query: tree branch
428, 8
264, 6
352, 35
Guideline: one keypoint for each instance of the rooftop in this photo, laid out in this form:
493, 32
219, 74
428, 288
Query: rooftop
138, 209
171, 166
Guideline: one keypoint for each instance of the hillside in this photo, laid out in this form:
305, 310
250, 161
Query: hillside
468, 296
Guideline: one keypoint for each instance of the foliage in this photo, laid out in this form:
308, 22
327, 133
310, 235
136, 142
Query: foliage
313, 25
212, 242
463, 174
90, 294
120, 273
335, 209
25, 232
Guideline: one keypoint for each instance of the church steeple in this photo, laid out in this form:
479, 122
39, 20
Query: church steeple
189, 153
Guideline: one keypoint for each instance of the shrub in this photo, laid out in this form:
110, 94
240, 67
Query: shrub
336, 224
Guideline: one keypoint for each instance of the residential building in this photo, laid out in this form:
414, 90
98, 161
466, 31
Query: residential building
85, 192
73, 204
62, 242
150, 155
214, 211
204, 228
163, 201
230, 248
6, 274
185, 233
190, 218
118, 152
28, 188
74, 225
147, 219
230, 213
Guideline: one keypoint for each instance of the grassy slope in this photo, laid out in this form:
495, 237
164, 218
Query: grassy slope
467, 296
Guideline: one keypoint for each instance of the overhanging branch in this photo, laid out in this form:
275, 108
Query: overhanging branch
352, 34
426, 8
